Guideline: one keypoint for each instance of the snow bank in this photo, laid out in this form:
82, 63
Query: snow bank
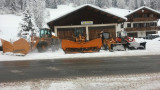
9, 26
152, 48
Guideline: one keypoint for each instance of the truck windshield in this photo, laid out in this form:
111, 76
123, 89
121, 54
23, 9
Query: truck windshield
106, 35
44, 32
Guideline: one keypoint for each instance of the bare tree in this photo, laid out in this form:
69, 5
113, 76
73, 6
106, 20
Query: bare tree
51, 3
132, 4
108, 3
114, 3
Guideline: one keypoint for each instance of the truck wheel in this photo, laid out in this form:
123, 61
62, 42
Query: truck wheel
105, 47
42, 46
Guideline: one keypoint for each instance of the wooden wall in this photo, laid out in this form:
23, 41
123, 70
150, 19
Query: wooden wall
67, 33
143, 15
95, 31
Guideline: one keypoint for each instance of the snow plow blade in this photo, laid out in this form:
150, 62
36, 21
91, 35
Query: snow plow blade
6, 46
136, 45
20, 46
81, 47
118, 47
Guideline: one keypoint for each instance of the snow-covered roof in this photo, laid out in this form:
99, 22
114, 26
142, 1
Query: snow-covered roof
143, 7
93, 6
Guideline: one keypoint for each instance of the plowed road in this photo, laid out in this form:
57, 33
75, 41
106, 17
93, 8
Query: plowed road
72, 68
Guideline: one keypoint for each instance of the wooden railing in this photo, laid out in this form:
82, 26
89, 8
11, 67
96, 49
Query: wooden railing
143, 29
145, 19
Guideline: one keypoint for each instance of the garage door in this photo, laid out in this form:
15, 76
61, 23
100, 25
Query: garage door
68, 33
95, 31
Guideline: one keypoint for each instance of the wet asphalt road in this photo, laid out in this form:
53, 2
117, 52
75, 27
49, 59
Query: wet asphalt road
72, 68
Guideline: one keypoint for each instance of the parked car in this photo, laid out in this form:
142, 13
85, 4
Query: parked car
151, 36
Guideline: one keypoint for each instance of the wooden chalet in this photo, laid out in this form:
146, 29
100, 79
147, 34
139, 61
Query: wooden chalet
88, 19
141, 22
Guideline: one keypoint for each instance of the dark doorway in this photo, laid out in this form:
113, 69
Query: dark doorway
134, 34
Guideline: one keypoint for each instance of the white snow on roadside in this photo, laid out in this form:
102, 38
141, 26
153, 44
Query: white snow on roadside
152, 48
112, 82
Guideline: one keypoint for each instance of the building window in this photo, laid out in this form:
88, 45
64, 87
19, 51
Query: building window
136, 16
151, 15
153, 24
121, 25
134, 25
145, 15
128, 25
147, 25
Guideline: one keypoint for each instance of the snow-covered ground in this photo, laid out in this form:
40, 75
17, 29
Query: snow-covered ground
116, 82
152, 48
9, 28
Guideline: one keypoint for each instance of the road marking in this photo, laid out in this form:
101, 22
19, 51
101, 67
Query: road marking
17, 72
53, 68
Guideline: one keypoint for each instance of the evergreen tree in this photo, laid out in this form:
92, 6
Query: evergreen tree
27, 27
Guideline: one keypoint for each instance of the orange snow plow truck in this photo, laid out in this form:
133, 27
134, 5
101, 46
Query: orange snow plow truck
80, 45
42, 43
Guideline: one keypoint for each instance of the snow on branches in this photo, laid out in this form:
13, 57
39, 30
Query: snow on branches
27, 26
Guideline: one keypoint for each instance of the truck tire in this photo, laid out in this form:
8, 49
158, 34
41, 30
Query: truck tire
42, 46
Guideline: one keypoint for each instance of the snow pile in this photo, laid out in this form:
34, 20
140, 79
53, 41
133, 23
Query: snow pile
116, 82
9, 26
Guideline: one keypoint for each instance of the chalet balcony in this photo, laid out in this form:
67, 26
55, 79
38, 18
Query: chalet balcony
144, 19
143, 28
